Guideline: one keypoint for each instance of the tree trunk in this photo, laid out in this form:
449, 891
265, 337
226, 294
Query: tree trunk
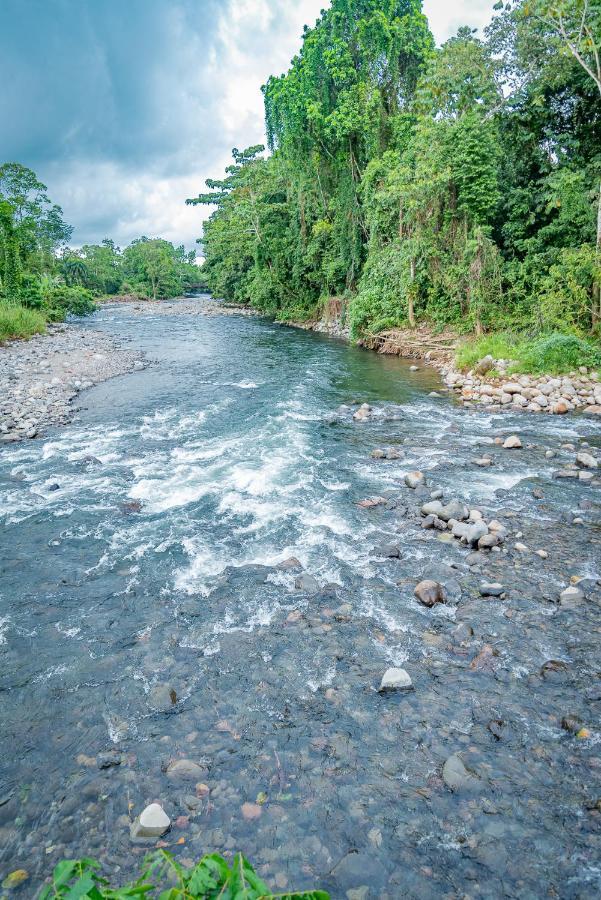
596, 310
411, 309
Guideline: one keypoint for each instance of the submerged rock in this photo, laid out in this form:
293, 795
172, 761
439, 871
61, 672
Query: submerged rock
363, 413
456, 776
414, 480
306, 583
162, 697
184, 769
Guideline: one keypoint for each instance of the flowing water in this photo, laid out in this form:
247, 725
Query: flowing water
140, 552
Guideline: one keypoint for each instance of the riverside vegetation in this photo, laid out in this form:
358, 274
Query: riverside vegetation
457, 185
42, 279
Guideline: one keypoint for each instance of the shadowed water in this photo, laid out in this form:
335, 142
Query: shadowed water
139, 554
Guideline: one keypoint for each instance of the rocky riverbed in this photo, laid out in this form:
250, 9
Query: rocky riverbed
309, 607
579, 390
41, 377
185, 306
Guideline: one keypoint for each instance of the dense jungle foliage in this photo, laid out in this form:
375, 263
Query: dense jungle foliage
42, 279
455, 185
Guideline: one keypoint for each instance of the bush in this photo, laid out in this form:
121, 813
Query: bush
557, 353
18, 322
551, 353
64, 299
210, 879
499, 346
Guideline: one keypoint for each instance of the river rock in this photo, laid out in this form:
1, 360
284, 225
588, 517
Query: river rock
185, 770
388, 551
162, 697
488, 541
290, 564
484, 365
363, 413
586, 460
456, 776
429, 593
473, 533
306, 583
491, 589
414, 480
378, 454
396, 680
512, 442
453, 510
571, 596
393, 453
432, 508
152, 822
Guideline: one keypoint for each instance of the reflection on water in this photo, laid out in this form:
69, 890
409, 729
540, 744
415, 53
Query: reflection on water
139, 552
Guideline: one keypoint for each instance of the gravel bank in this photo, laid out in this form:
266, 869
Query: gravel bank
201, 306
40, 378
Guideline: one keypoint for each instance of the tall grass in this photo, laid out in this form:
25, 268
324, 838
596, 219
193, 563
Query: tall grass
17, 321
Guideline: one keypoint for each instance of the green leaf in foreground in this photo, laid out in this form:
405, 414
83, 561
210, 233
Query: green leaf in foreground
212, 878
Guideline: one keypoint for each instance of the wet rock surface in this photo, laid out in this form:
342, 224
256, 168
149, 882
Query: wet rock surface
155, 646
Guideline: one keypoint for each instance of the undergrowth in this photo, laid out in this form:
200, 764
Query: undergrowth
552, 354
163, 878
16, 321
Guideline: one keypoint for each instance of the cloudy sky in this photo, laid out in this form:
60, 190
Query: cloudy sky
125, 107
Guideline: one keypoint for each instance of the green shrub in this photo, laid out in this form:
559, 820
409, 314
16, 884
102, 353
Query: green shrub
557, 353
210, 879
551, 353
18, 322
499, 346
65, 299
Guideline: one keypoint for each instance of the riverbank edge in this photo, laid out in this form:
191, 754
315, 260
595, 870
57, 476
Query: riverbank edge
42, 375
578, 391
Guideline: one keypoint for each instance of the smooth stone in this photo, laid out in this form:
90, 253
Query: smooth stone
185, 769
488, 541
491, 590
432, 508
453, 510
512, 442
586, 460
571, 595
307, 583
456, 776
473, 533
429, 593
162, 697
415, 479
291, 563
152, 822
396, 680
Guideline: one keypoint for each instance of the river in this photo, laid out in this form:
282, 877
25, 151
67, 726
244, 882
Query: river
144, 619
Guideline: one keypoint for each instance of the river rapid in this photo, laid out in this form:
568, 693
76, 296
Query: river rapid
144, 619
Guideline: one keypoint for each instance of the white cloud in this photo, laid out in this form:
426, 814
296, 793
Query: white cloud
446, 16
187, 106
